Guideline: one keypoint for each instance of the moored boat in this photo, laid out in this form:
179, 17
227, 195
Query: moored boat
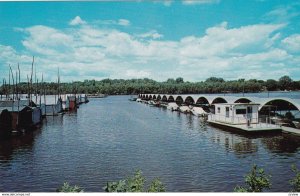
184, 109
172, 106
198, 111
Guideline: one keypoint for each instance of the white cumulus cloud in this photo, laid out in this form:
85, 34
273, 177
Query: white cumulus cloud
123, 22
194, 2
152, 34
292, 43
91, 52
77, 21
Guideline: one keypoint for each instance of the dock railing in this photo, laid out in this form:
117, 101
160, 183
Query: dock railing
261, 121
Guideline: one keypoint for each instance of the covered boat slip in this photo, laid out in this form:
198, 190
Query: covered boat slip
50, 105
20, 114
53, 105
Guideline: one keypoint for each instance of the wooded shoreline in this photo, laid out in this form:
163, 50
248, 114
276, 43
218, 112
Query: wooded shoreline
170, 86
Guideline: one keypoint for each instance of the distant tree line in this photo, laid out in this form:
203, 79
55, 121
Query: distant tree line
146, 85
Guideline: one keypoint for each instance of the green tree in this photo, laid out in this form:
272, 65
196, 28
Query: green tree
214, 79
255, 181
156, 186
271, 85
171, 80
295, 182
179, 80
285, 83
66, 187
134, 183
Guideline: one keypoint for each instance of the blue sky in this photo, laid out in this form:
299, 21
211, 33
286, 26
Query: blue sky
195, 40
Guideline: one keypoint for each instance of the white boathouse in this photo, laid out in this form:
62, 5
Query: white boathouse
236, 113
241, 116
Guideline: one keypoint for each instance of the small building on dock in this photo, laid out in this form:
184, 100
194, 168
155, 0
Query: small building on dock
53, 108
236, 113
72, 102
29, 117
242, 116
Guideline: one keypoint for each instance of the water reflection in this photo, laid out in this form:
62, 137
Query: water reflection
238, 144
284, 143
16, 145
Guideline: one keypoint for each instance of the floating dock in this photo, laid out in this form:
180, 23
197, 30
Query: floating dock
261, 127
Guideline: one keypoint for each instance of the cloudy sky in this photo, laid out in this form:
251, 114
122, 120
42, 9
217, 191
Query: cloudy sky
160, 39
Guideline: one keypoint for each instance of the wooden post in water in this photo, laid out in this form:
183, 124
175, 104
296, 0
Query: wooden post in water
19, 74
44, 93
30, 96
7, 96
36, 83
12, 75
28, 89
2, 88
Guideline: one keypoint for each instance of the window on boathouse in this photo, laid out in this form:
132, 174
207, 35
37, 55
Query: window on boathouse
240, 111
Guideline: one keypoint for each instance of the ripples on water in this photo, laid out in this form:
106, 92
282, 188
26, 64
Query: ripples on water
108, 139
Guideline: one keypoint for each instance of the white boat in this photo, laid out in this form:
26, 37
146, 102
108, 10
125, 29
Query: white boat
151, 103
198, 111
184, 109
172, 106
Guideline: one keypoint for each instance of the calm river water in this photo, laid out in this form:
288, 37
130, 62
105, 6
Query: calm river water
108, 139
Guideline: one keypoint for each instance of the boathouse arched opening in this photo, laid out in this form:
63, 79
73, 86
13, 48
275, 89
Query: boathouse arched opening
189, 100
179, 100
171, 99
202, 101
154, 97
218, 100
158, 97
164, 98
150, 96
243, 100
279, 106
147, 97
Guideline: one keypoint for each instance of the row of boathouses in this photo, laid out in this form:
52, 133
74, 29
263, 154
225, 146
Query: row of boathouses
24, 113
242, 113
282, 103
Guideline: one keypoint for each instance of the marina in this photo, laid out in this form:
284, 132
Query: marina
150, 96
109, 138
